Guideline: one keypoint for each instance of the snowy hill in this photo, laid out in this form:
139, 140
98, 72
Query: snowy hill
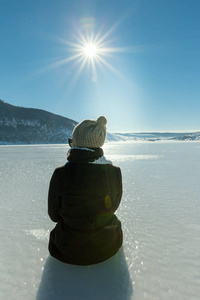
154, 136
19, 125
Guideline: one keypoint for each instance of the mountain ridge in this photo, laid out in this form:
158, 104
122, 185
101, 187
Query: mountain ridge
155, 136
21, 125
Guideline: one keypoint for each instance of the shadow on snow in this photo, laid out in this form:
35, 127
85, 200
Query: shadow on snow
109, 280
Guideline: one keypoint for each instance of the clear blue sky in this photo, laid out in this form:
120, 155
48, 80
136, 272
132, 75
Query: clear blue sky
149, 81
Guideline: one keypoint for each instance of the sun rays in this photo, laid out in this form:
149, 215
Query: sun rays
89, 52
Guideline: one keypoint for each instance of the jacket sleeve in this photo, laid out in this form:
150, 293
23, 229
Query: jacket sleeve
114, 182
54, 200
119, 188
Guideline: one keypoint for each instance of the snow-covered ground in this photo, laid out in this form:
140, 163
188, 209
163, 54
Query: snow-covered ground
159, 211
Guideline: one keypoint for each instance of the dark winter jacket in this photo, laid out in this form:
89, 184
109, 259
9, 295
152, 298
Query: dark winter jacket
82, 200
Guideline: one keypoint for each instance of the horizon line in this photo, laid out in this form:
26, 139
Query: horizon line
158, 131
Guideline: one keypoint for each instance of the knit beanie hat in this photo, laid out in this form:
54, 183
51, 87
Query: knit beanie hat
90, 133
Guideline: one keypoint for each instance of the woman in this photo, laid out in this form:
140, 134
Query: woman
83, 196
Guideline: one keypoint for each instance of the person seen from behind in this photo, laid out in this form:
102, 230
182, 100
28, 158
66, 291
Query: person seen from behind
83, 197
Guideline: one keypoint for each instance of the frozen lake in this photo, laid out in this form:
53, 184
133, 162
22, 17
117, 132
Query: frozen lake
160, 215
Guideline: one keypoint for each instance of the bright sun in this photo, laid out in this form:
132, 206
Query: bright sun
90, 50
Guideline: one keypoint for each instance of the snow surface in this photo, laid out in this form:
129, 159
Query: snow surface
160, 213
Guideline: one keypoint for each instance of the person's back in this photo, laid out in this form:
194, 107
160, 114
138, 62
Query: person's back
83, 196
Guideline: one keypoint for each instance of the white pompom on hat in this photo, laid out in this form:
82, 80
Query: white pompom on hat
90, 133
